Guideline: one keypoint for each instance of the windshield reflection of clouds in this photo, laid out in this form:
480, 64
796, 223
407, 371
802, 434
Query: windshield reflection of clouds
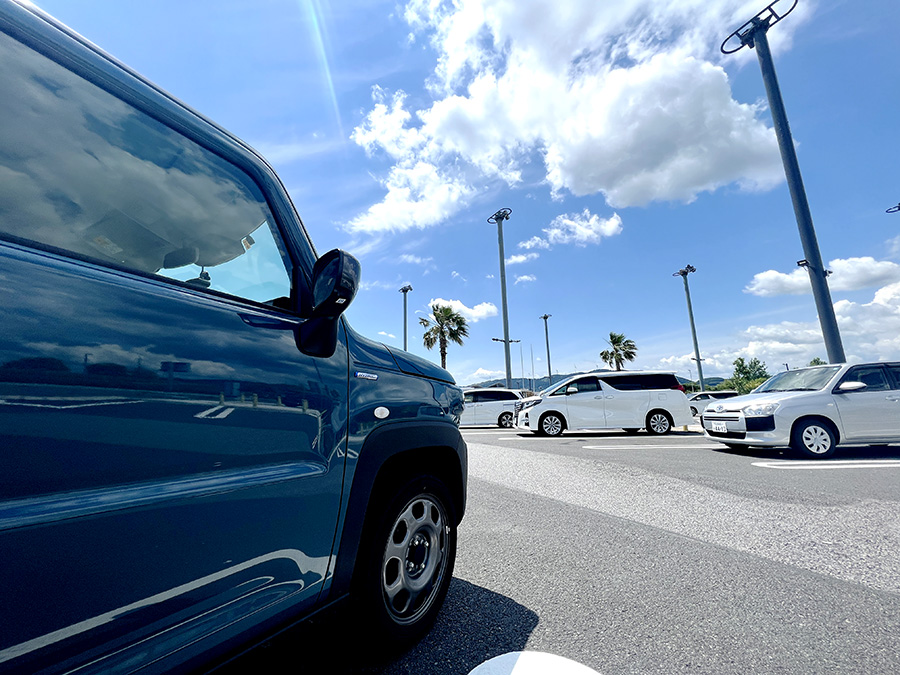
108, 182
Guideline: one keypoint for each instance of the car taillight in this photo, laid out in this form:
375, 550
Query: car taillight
679, 387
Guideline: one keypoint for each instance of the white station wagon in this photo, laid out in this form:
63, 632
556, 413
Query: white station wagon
812, 410
627, 399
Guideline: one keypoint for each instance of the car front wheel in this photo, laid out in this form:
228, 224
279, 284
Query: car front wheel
551, 425
505, 420
408, 564
813, 438
659, 423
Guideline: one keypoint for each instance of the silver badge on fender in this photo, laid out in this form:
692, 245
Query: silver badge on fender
365, 376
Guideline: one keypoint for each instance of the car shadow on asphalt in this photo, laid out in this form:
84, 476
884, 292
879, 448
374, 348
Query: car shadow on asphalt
474, 625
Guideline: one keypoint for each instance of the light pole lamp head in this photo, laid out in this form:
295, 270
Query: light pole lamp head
685, 271
406, 289
500, 216
545, 316
764, 20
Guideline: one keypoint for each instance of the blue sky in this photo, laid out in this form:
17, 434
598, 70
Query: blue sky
626, 145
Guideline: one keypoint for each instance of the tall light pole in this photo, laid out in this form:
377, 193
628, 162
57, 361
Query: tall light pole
406, 289
547, 339
683, 273
753, 34
499, 217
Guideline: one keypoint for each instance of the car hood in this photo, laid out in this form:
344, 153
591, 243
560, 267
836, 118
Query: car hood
740, 402
530, 398
416, 365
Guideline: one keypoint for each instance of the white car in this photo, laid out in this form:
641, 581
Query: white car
700, 400
812, 410
629, 400
489, 406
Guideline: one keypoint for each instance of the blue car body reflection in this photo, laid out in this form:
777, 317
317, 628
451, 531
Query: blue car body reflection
175, 471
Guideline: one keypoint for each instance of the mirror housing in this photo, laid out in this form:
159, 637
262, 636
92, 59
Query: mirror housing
334, 284
846, 387
571, 389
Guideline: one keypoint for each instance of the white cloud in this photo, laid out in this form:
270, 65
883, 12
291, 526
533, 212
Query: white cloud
534, 242
893, 246
849, 274
489, 276
456, 275
582, 229
525, 278
521, 258
390, 335
869, 331
414, 259
377, 285
474, 314
630, 100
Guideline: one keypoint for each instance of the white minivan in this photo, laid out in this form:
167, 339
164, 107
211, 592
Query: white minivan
629, 400
489, 406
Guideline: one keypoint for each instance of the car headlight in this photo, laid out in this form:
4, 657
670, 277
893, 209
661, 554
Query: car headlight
762, 410
530, 404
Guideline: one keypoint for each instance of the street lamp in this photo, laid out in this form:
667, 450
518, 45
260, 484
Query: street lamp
499, 217
406, 289
506, 344
753, 34
547, 339
683, 273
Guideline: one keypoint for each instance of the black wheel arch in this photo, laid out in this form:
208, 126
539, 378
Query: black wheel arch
391, 456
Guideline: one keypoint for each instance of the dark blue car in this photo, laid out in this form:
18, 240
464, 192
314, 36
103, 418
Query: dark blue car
196, 449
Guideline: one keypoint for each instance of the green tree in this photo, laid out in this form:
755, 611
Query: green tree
622, 350
444, 326
748, 374
818, 362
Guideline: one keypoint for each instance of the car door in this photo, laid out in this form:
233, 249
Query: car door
585, 404
625, 407
172, 462
872, 413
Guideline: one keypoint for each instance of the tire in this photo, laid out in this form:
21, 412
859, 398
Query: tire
551, 424
694, 411
659, 423
813, 438
406, 564
505, 420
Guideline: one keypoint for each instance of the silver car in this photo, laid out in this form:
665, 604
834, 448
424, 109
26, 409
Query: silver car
812, 410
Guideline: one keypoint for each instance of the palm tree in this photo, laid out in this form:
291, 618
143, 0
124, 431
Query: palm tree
622, 350
444, 324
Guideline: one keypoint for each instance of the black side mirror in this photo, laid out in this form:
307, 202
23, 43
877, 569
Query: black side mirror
334, 284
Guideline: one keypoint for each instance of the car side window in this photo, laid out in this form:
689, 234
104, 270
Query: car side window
88, 174
469, 398
872, 376
586, 384
895, 373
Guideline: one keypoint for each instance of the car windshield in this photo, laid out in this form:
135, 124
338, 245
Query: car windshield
806, 379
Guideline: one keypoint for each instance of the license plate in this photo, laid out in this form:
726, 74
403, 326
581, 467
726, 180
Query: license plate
719, 427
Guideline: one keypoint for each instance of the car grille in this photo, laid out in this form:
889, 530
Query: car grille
721, 417
518, 407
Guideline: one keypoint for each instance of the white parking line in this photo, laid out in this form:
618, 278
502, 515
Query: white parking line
834, 464
647, 447
208, 414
